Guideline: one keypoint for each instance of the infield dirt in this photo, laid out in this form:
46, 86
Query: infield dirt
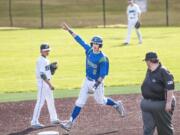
94, 119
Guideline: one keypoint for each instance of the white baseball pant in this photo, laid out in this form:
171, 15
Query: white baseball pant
44, 94
131, 24
98, 94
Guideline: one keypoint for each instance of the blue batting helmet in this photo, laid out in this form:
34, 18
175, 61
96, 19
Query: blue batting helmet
97, 40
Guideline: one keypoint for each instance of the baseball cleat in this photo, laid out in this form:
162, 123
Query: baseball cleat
120, 108
37, 126
67, 125
55, 122
125, 43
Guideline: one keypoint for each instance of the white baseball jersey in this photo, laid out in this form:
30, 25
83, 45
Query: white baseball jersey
133, 11
42, 66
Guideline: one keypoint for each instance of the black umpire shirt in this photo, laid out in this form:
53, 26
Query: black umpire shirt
157, 83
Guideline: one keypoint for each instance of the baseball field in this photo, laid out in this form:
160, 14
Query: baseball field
18, 54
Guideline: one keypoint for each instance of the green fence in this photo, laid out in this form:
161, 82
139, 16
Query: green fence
83, 13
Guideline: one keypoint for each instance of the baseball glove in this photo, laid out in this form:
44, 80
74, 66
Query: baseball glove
137, 25
53, 67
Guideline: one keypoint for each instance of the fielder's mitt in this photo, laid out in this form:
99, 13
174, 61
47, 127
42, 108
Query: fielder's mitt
53, 67
137, 25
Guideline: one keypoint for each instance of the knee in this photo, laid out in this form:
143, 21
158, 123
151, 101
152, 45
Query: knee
80, 103
101, 101
105, 100
39, 104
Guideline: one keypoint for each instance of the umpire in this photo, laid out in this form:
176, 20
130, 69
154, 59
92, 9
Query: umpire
158, 101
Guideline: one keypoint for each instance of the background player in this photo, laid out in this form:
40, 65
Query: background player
45, 88
133, 15
97, 66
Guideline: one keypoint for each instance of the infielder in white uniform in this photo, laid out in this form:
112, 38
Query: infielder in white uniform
133, 14
45, 88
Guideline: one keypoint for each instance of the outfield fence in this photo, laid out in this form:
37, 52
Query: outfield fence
83, 13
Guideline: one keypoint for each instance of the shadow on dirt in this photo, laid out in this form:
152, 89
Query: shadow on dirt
28, 130
107, 133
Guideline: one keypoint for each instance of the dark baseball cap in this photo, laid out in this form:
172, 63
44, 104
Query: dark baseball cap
45, 47
151, 56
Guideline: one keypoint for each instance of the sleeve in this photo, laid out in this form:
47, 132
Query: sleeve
168, 80
42, 67
104, 66
82, 43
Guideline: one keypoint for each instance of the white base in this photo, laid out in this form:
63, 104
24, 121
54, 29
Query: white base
48, 133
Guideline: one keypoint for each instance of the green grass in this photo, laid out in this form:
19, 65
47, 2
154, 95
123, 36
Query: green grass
20, 49
24, 96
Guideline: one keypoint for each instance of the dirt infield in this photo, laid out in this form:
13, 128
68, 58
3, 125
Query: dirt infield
94, 119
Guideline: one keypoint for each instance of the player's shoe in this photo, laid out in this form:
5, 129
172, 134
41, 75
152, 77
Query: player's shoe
55, 122
126, 43
140, 42
37, 126
120, 108
67, 125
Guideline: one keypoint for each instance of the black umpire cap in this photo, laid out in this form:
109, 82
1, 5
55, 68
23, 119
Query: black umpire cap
151, 56
45, 47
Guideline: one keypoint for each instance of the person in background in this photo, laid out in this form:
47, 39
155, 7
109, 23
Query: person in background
133, 15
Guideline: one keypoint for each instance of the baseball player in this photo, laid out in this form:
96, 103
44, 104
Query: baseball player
133, 14
44, 71
97, 66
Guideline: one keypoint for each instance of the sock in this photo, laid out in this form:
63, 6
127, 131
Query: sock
75, 113
110, 102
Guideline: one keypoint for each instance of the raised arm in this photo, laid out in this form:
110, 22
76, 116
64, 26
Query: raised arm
67, 28
76, 37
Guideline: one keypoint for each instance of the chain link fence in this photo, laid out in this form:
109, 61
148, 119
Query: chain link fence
83, 13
